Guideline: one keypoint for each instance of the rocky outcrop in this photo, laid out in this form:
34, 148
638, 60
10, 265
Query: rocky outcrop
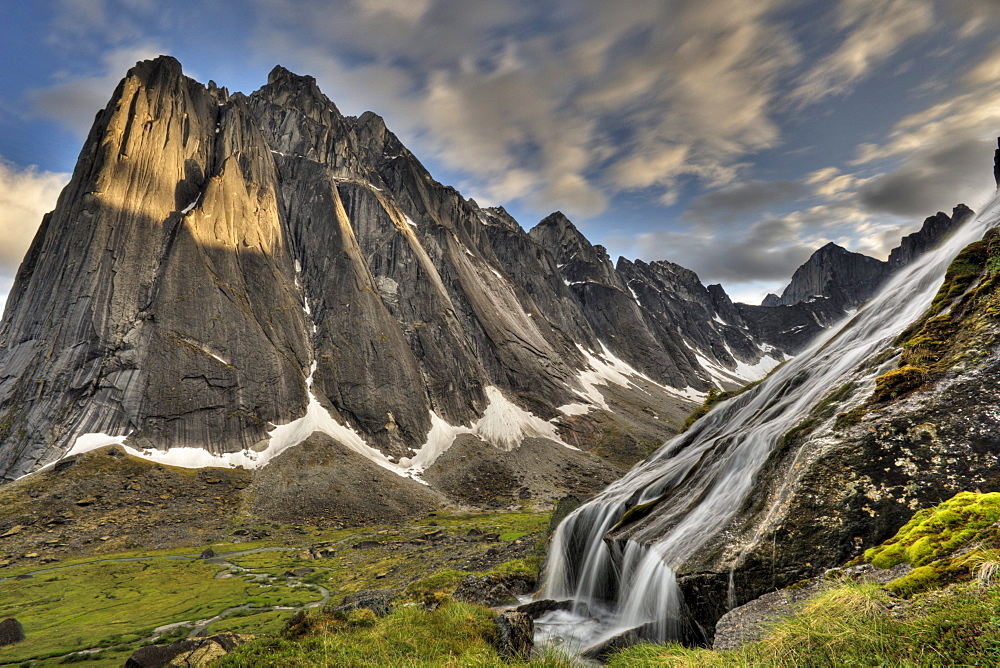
493, 590
847, 279
836, 273
927, 237
190, 652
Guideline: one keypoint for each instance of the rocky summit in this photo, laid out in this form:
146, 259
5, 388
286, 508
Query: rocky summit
226, 274
847, 279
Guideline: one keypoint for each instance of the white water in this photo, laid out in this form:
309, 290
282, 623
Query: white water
706, 474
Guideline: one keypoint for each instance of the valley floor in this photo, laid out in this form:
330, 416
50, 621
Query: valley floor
96, 610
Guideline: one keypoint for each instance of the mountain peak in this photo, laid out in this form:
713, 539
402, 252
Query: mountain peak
831, 247
300, 91
161, 67
280, 73
558, 219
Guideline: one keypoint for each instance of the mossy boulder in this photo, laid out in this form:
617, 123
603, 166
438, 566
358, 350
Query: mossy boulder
898, 382
943, 543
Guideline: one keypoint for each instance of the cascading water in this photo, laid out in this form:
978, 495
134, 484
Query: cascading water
699, 480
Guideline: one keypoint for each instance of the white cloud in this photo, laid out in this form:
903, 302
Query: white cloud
26, 194
829, 182
620, 97
875, 30
410, 11
73, 101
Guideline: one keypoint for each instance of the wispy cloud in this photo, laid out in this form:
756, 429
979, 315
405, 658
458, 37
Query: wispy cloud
873, 31
621, 97
73, 101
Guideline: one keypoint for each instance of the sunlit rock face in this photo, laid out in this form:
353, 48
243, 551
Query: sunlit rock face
226, 274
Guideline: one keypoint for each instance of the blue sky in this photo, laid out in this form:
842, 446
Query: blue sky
729, 136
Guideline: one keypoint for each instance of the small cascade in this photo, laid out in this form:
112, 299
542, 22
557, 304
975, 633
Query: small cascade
694, 485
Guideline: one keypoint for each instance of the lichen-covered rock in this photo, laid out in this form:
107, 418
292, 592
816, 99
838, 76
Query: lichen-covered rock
751, 621
379, 601
187, 653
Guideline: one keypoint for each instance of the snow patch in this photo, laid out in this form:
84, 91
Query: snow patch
743, 373
186, 210
92, 441
605, 368
439, 440
318, 419
281, 439
635, 297
504, 425
575, 409
213, 355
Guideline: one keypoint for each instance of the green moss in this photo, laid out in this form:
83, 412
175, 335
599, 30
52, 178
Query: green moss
638, 511
962, 323
898, 382
930, 540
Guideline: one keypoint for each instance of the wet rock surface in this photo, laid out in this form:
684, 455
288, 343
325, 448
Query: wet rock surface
536, 609
854, 487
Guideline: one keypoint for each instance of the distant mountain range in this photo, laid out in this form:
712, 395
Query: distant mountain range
226, 274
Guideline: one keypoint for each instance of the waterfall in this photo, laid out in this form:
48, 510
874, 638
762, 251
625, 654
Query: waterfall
699, 480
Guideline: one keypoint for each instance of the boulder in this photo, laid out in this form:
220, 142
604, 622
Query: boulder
11, 632
750, 622
379, 601
492, 590
190, 652
515, 633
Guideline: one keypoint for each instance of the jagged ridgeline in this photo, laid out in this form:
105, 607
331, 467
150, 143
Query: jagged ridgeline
226, 274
